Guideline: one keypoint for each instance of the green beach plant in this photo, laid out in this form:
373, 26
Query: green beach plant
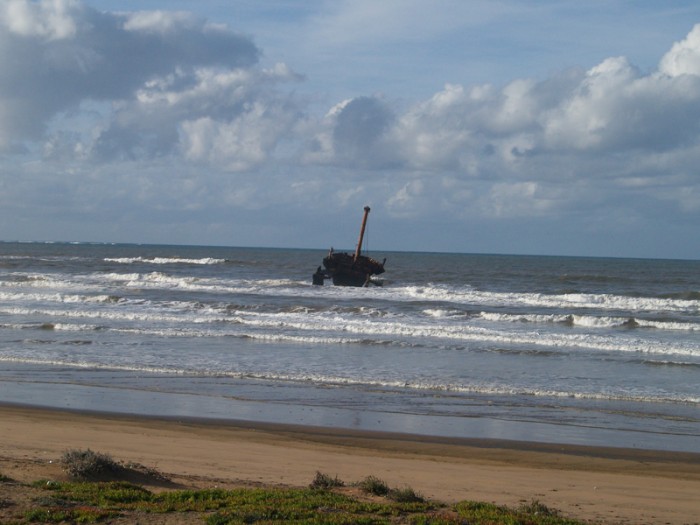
533, 513
373, 485
90, 501
325, 482
86, 464
405, 495
100, 502
537, 508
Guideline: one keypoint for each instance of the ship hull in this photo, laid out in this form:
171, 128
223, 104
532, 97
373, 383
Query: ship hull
346, 270
350, 270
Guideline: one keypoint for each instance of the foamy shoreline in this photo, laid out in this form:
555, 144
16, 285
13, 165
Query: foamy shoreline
606, 484
100, 391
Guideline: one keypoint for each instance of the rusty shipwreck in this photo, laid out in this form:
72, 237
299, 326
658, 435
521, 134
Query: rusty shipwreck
346, 269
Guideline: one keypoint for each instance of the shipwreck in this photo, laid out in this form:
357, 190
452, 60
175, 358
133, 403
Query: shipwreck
346, 269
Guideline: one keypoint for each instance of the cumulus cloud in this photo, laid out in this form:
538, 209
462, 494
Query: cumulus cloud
684, 56
178, 85
610, 108
228, 118
180, 99
57, 54
358, 133
48, 19
533, 139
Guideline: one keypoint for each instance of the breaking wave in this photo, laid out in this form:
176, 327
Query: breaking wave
590, 321
163, 260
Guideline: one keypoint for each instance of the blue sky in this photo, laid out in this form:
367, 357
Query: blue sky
560, 127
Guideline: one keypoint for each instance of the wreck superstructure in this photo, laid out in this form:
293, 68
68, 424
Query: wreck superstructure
346, 269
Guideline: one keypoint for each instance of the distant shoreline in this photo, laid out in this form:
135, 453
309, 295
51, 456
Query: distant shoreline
350, 248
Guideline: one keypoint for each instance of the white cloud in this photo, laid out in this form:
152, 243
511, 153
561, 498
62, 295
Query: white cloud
240, 144
684, 56
405, 201
520, 199
57, 55
161, 22
49, 19
582, 119
185, 108
231, 119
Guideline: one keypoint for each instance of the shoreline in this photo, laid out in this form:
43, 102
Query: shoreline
489, 448
260, 407
613, 485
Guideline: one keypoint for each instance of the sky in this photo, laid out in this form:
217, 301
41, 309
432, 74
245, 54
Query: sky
484, 126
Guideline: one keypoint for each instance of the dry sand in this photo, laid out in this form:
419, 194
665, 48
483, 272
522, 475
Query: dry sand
605, 485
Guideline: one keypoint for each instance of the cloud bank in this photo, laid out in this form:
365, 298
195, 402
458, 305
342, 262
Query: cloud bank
158, 118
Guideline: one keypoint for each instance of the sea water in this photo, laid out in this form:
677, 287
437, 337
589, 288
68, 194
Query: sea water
552, 349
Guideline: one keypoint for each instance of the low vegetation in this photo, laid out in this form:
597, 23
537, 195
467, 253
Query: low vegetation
374, 485
325, 482
535, 513
327, 500
377, 487
86, 464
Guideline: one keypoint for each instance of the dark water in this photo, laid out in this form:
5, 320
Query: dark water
557, 349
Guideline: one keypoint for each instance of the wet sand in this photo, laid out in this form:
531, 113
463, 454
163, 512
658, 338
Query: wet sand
611, 485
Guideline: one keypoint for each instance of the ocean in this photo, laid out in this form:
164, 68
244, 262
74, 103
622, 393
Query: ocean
587, 351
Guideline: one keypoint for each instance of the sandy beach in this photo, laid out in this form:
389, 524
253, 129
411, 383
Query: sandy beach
605, 485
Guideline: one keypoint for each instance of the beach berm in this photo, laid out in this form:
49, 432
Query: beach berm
602, 485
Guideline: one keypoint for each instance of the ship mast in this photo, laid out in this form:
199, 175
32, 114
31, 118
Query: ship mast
362, 233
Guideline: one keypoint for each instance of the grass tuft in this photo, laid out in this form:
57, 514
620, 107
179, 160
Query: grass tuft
533, 513
537, 508
86, 464
374, 485
325, 482
405, 495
